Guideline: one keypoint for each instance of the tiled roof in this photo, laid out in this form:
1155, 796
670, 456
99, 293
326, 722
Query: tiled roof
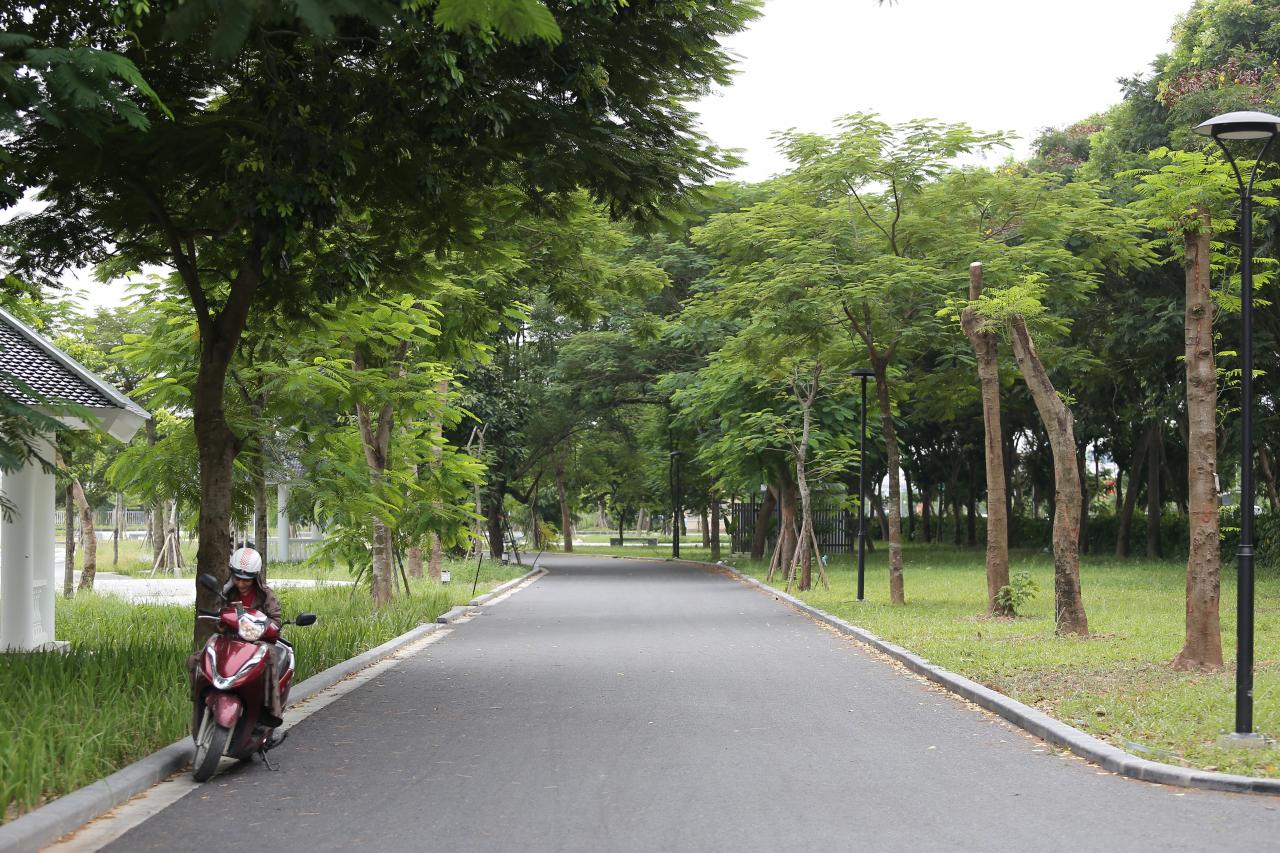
58, 378
42, 373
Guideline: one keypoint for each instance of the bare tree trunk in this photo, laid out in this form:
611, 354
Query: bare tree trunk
375, 436
1131, 494
260, 530
877, 504
117, 523
216, 443
1203, 646
1269, 478
1009, 457
706, 527
785, 549
155, 523
535, 532
715, 525
383, 579
562, 494
88, 536
69, 551
971, 514
760, 534
1154, 501
927, 512
911, 507
897, 594
1084, 499
1069, 615
805, 553
436, 560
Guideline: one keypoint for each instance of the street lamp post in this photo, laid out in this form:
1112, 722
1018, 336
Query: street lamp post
862, 373
1264, 127
677, 511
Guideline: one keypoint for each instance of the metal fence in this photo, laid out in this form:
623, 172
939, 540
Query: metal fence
834, 526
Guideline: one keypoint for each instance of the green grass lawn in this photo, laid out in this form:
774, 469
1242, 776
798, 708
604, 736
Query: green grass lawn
1117, 684
120, 693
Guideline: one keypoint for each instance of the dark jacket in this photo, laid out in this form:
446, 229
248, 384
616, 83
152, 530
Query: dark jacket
265, 599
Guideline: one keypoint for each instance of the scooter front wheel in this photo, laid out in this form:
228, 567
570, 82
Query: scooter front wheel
211, 742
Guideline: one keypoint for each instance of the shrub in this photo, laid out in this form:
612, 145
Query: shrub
1020, 590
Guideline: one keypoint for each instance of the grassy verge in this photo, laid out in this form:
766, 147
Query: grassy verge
121, 692
1117, 684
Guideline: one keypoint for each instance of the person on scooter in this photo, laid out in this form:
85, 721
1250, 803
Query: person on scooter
246, 587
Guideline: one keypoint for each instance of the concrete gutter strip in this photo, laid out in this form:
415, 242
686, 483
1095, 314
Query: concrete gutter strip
48, 823
331, 676
452, 615
501, 588
1036, 722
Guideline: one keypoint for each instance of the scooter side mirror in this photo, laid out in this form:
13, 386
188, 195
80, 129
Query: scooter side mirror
305, 619
210, 583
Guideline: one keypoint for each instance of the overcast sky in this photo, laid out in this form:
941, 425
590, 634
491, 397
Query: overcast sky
1017, 65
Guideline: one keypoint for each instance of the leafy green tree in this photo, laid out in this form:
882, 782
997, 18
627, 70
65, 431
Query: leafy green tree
308, 128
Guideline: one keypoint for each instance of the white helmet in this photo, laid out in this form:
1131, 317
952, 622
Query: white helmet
246, 563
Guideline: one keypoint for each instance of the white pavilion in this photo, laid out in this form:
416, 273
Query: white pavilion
28, 584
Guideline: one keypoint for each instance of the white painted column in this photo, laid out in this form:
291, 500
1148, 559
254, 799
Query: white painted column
282, 521
43, 569
16, 561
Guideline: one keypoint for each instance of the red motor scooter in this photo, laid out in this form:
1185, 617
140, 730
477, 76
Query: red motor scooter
228, 714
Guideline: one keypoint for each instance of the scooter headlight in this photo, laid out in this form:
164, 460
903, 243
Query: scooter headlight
250, 628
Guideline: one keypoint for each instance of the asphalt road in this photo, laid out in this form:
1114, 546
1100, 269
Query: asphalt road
617, 705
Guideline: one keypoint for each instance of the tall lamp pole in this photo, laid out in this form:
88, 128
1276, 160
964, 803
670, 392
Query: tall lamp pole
1262, 127
862, 373
677, 513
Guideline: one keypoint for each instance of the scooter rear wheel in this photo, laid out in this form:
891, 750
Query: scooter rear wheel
211, 742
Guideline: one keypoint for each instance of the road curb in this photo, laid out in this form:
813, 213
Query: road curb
1036, 722
48, 823
501, 588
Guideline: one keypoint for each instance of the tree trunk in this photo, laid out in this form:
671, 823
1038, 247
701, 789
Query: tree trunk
971, 514
1008, 456
1269, 478
1084, 498
88, 536
562, 494
436, 561
1069, 615
493, 518
807, 553
985, 349
787, 524
715, 526
926, 513
69, 551
877, 504
383, 577
706, 526
1131, 494
1154, 502
216, 443
535, 532
911, 506
897, 594
261, 531
117, 523
760, 534
1203, 646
